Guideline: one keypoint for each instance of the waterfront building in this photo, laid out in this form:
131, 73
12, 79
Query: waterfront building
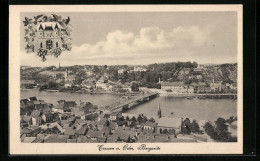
215, 86
175, 87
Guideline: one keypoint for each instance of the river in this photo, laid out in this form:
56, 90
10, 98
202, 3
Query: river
199, 109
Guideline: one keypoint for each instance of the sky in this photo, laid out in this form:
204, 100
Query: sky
133, 38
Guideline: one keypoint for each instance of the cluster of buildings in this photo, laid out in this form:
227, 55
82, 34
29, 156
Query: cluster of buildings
69, 122
199, 87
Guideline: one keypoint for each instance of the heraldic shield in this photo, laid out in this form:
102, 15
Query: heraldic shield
47, 35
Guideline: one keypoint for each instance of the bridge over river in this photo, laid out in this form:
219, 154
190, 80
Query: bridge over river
132, 102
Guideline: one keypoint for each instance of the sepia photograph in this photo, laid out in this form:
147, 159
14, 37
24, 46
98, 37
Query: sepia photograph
126, 79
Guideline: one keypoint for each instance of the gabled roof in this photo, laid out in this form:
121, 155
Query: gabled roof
82, 130
82, 139
112, 138
56, 138
172, 84
93, 134
26, 118
101, 139
35, 113
33, 98
113, 125
29, 139
123, 135
150, 124
173, 122
106, 130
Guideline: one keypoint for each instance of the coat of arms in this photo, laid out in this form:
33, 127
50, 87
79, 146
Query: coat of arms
47, 35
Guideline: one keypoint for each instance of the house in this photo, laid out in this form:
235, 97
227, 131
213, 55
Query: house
233, 86
139, 69
56, 138
203, 89
66, 106
112, 138
101, 85
149, 126
88, 85
122, 123
121, 71
190, 89
69, 131
82, 131
113, 126
32, 99
102, 122
106, 130
115, 116
78, 112
68, 84
93, 134
215, 86
47, 117
36, 118
101, 139
86, 107
82, 139
168, 123
27, 84
26, 121
28, 139
39, 138
66, 123
123, 136
176, 87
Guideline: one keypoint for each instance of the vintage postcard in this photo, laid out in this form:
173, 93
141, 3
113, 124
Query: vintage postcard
126, 79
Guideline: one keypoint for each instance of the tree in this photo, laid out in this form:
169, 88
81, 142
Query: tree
127, 118
96, 69
195, 127
135, 87
59, 75
209, 129
133, 119
139, 118
172, 132
186, 126
52, 85
165, 131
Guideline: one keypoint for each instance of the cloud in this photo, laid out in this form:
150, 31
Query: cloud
146, 46
149, 39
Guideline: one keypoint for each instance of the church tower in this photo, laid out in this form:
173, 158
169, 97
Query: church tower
159, 112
